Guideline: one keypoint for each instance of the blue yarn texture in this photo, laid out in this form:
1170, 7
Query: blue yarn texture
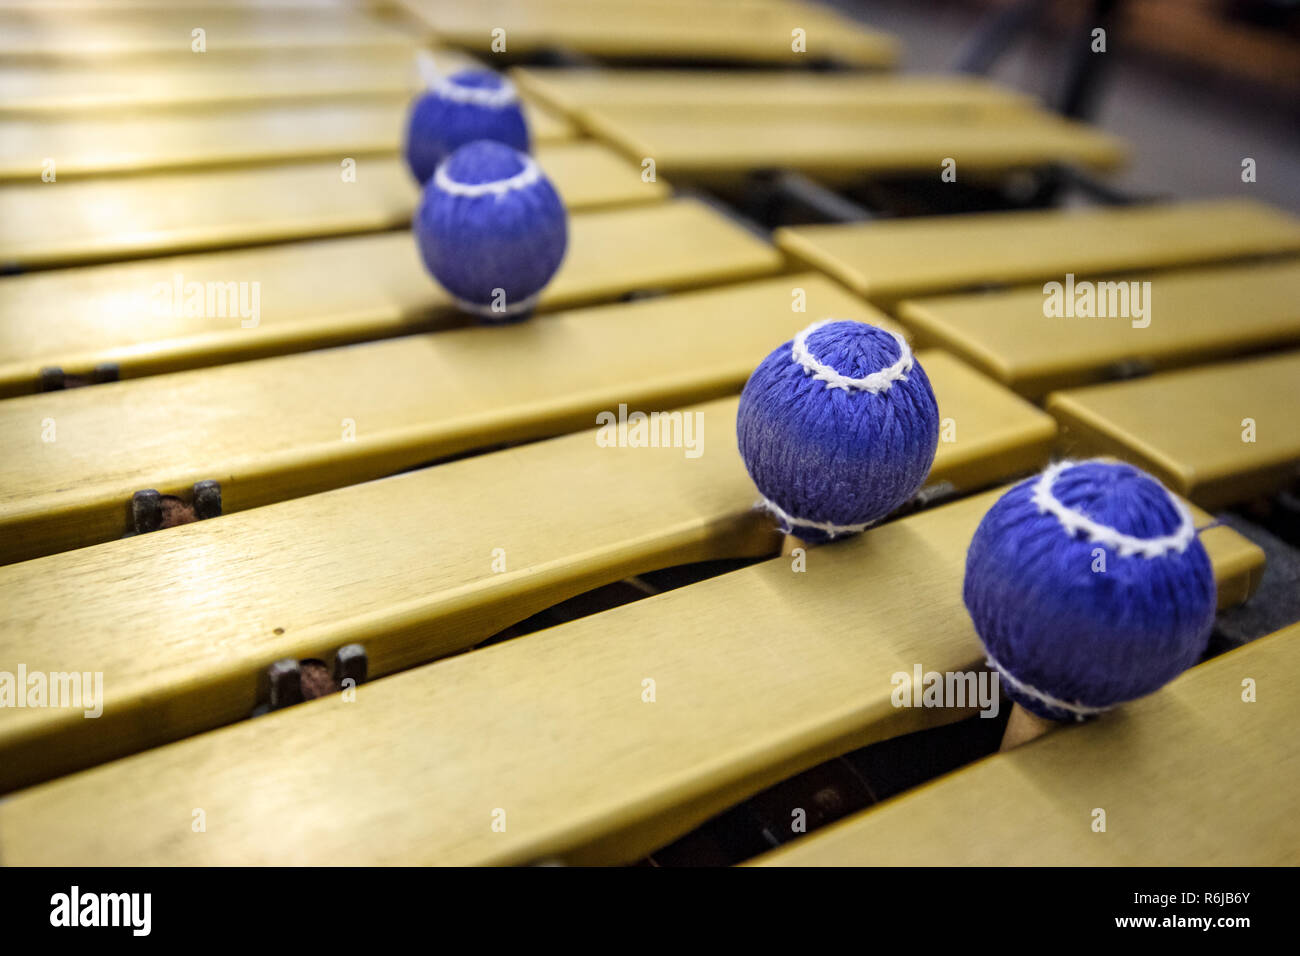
1092, 638
438, 126
846, 457
473, 245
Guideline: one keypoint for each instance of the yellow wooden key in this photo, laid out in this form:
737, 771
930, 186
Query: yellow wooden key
150, 140
593, 742
415, 567
1217, 434
46, 224
756, 94
64, 7
1194, 775
104, 33
146, 139
760, 31
719, 146
889, 260
217, 78
1148, 320
305, 295
278, 427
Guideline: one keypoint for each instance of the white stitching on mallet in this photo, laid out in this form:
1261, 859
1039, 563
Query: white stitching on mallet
427, 69
834, 530
880, 381
1080, 711
520, 180
1073, 521
523, 305
497, 99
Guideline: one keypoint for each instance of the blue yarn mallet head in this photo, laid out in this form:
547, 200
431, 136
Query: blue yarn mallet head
492, 230
459, 109
1088, 587
837, 428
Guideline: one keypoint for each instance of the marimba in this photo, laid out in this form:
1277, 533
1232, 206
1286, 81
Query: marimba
575, 649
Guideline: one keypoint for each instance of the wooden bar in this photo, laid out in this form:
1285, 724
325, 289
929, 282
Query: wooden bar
142, 33
756, 31
97, 220
217, 78
330, 292
716, 146
890, 260
1219, 434
1168, 771
276, 428
756, 94
755, 675
1153, 320
152, 140
78, 6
